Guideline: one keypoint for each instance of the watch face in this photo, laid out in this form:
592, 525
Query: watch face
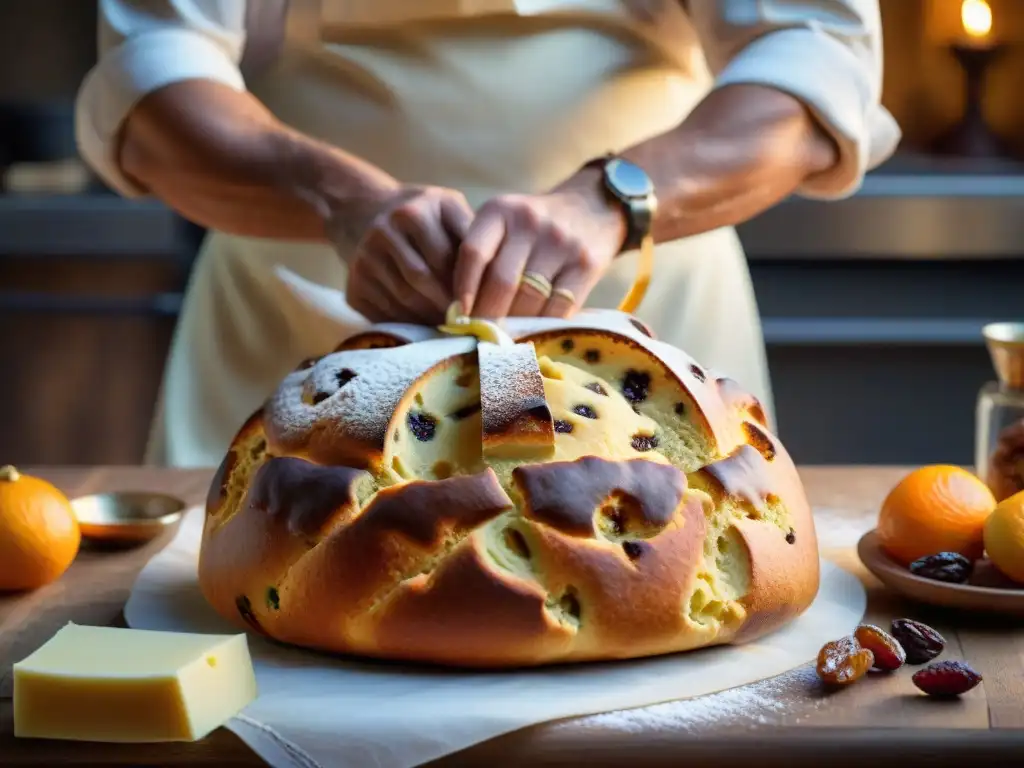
627, 179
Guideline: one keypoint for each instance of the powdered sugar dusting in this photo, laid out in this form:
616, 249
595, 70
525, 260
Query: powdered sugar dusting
310, 411
763, 703
510, 382
361, 409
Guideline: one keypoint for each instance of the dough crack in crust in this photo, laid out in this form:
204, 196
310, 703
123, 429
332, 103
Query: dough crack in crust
584, 492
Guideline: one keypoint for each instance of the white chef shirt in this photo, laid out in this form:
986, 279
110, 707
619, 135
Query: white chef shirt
827, 53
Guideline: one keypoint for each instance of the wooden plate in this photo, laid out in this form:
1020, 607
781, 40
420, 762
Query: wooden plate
988, 591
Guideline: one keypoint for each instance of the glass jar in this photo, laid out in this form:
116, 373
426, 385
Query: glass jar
999, 418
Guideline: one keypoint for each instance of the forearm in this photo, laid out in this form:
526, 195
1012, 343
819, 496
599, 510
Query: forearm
221, 159
742, 149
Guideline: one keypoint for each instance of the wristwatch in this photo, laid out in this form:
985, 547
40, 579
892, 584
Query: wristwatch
628, 185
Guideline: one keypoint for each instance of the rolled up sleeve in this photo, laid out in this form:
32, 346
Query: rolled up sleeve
145, 45
827, 54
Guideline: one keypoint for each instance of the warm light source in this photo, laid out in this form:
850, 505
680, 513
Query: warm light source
976, 18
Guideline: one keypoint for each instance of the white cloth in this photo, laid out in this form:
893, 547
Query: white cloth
483, 107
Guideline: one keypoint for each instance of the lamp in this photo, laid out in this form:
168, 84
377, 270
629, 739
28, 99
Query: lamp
974, 49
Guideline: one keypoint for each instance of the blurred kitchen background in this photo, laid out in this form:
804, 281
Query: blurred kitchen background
872, 306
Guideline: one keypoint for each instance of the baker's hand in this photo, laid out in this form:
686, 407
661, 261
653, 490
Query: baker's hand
400, 268
538, 254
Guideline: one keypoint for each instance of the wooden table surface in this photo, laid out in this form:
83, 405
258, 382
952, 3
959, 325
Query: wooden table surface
790, 721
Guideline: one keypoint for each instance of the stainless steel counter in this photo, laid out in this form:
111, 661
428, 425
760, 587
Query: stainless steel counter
921, 217
88, 225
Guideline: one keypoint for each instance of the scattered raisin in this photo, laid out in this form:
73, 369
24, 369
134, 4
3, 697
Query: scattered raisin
698, 373
273, 599
791, 537
680, 409
319, 397
596, 388
565, 427
465, 411
633, 549
644, 442
585, 411
592, 356
344, 376
567, 345
946, 678
843, 661
921, 642
422, 425
635, 386
889, 654
950, 567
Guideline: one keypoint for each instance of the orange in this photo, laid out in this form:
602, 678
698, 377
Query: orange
938, 508
39, 535
1004, 537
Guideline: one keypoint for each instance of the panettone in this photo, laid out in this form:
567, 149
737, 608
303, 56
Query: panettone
574, 490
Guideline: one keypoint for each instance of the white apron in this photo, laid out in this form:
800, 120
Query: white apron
463, 99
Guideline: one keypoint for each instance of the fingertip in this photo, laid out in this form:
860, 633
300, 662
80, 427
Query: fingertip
464, 285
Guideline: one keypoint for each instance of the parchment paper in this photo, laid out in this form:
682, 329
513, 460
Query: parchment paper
319, 711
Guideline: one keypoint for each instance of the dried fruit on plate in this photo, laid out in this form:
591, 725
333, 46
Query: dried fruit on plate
843, 661
939, 508
39, 534
921, 642
950, 567
889, 654
946, 678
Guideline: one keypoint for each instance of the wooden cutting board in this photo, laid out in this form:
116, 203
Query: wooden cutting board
790, 721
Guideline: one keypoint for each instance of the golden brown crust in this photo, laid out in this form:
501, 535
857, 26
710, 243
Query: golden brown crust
432, 499
739, 400
290, 505
469, 614
783, 559
402, 534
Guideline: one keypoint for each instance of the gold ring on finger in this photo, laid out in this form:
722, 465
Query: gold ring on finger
566, 294
538, 282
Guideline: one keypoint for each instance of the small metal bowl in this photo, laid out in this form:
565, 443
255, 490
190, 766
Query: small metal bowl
126, 517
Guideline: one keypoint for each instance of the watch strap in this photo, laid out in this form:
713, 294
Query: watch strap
638, 211
639, 219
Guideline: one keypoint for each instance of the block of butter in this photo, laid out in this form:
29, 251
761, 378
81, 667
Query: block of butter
131, 685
